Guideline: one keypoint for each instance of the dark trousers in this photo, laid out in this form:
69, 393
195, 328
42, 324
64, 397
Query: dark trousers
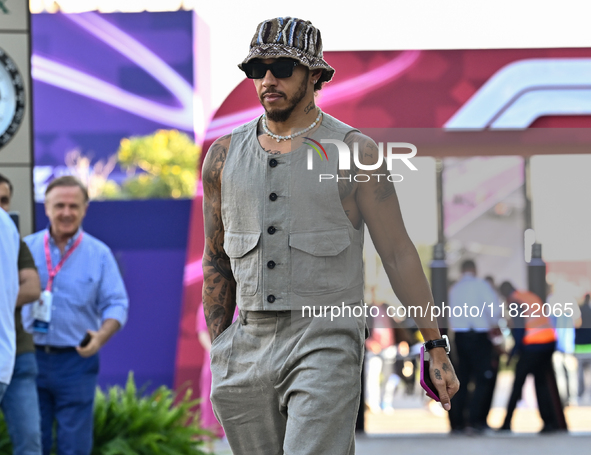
66, 386
538, 363
492, 375
474, 364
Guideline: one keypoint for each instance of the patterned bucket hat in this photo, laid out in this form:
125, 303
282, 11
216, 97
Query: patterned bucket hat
291, 38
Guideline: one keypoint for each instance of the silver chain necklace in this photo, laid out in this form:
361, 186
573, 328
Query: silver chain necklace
279, 138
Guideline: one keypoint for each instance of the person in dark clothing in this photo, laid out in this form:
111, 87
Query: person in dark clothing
535, 341
474, 349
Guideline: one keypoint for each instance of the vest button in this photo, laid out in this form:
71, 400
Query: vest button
270, 298
273, 162
273, 196
271, 230
271, 264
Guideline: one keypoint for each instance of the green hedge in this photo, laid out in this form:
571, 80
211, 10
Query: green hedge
126, 423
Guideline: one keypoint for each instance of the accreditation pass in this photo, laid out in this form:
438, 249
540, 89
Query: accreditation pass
42, 312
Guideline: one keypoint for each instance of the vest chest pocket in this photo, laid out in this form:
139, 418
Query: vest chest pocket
244, 259
319, 261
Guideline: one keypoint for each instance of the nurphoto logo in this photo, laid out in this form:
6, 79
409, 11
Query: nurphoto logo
345, 158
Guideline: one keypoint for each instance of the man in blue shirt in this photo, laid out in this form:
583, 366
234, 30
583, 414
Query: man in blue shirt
84, 297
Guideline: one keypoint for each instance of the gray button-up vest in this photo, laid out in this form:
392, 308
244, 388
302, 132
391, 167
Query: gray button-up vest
289, 240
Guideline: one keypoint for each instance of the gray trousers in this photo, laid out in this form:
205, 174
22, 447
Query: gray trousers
287, 384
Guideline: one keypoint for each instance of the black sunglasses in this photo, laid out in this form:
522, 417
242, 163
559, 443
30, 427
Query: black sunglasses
279, 68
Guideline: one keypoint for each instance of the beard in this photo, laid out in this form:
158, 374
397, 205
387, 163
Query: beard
282, 115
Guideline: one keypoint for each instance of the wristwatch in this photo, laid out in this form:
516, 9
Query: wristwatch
440, 343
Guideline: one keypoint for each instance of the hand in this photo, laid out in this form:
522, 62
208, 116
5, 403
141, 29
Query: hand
93, 346
443, 376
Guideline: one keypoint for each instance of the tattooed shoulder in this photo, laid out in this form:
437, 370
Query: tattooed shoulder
369, 155
214, 161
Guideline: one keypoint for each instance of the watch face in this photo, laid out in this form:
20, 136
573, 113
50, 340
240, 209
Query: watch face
12, 98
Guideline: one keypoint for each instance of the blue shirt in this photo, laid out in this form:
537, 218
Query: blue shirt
475, 292
9, 246
86, 291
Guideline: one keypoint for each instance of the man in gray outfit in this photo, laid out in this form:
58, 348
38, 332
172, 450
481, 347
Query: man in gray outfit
279, 240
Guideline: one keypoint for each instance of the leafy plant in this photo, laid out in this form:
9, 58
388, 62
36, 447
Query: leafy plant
126, 423
159, 165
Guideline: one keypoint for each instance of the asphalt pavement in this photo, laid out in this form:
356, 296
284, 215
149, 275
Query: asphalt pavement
420, 444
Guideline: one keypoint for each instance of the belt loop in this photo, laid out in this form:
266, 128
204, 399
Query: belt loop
242, 316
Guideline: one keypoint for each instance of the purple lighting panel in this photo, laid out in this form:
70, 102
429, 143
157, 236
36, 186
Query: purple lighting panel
98, 78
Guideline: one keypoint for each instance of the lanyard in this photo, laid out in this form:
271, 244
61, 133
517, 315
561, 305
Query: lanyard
52, 271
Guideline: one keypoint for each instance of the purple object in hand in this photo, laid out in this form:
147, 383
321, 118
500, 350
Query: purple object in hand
426, 382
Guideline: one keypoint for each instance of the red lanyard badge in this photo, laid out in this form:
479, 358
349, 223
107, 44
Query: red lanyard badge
52, 272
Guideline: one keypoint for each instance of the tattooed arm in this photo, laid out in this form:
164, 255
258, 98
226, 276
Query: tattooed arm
378, 204
219, 286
